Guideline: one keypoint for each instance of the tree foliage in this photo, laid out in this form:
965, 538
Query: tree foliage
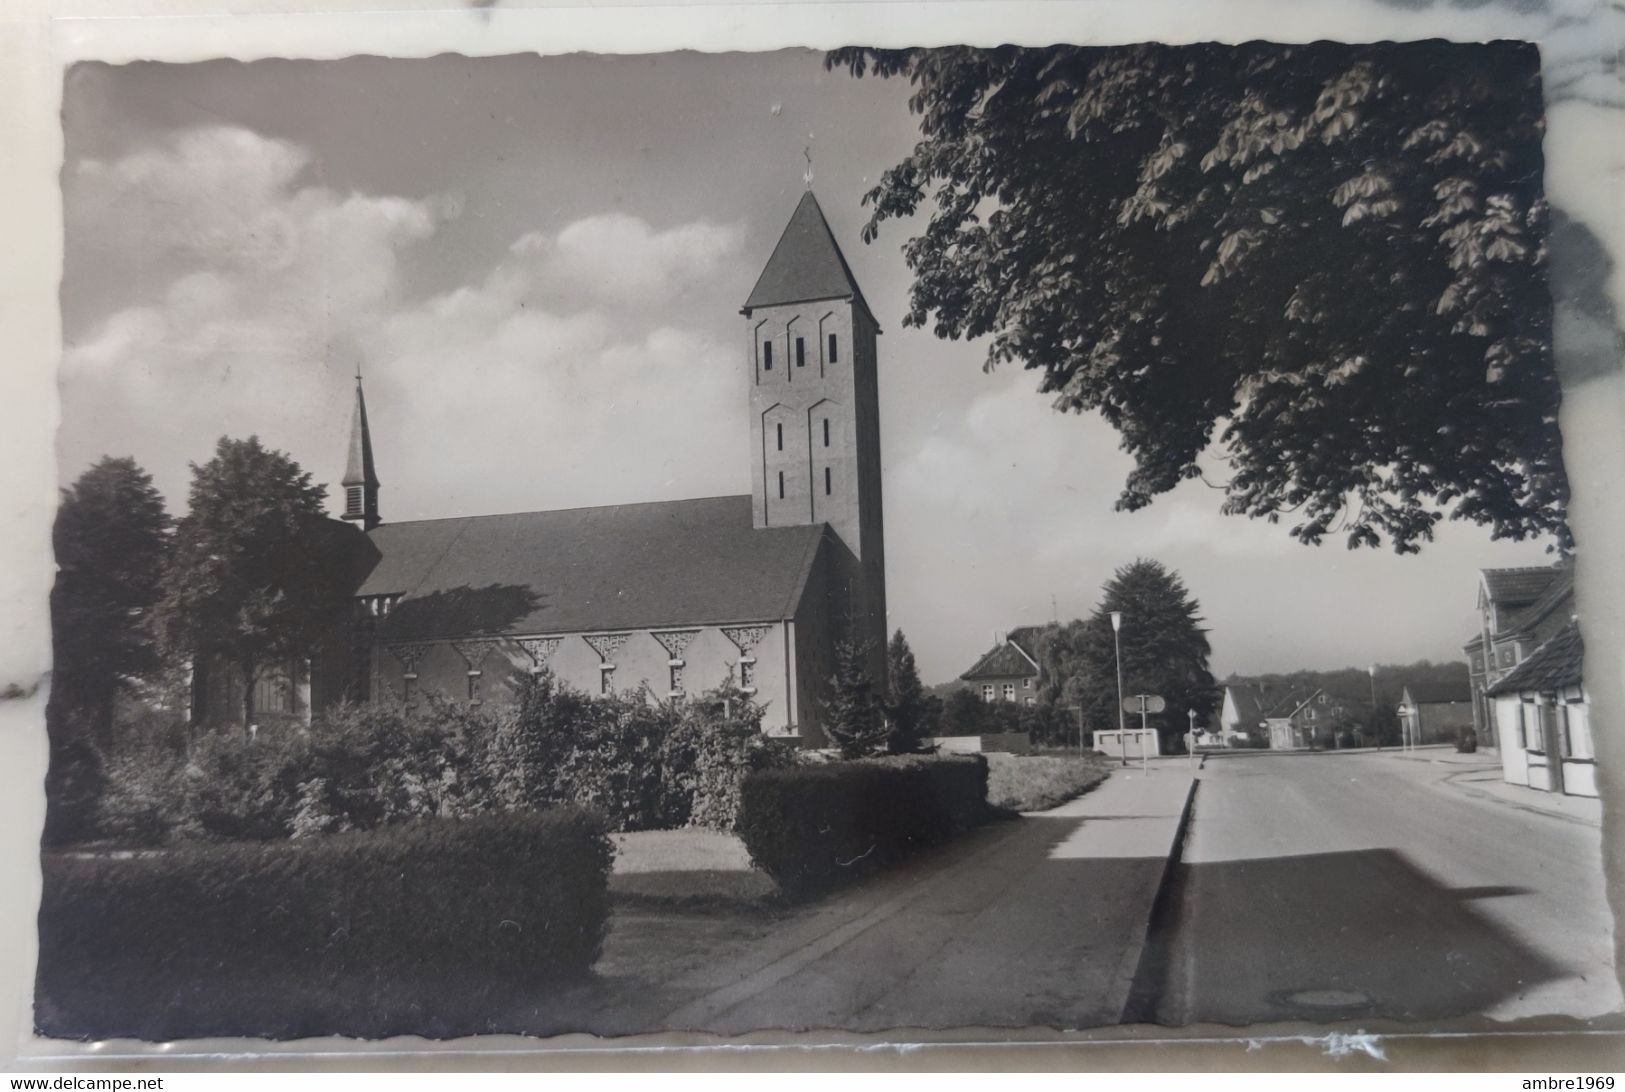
253, 580
906, 707
110, 538
1164, 651
1326, 260
854, 715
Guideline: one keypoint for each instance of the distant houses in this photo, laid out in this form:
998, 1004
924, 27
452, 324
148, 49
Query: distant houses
1009, 670
1437, 711
1286, 718
1528, 680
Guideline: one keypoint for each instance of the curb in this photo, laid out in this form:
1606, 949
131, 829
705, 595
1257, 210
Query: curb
1516, 805
1139, 1006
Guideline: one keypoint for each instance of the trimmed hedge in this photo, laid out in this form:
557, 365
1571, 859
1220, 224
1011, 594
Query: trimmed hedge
413, 928
810, 827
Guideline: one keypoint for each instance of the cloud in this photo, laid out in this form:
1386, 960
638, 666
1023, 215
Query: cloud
260, 289
621, 258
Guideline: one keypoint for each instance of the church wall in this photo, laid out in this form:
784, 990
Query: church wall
708, 659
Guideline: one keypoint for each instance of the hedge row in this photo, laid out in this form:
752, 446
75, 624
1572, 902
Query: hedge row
412, 928
810, 827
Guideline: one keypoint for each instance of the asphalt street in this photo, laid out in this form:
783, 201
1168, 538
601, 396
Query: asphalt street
1336, 887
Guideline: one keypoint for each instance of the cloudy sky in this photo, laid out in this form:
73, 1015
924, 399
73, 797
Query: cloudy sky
538, 264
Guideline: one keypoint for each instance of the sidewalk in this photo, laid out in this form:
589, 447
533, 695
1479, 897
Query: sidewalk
1479, 775
1037, 921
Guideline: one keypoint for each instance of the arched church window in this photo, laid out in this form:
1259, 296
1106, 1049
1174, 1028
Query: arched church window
801, 352
834, 356
767, 356
826, 432
780, 427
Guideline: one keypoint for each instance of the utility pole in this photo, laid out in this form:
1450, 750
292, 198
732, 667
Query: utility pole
1122, 722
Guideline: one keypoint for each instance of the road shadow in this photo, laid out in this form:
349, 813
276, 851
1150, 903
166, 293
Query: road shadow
1334, 936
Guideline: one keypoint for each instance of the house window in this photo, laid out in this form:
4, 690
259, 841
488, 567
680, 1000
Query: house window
987, 691
1323, 699
1564, 736
747, 674
834, 356
676, 677
801, 352
409, 688
767, 356
606, 679
473, 688
352, 501
1027, 683
826, 481
1529, 728
780, 427
1009, 691
781, 485
826, 432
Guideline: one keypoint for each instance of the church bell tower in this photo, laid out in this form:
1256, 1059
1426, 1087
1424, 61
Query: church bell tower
814, 399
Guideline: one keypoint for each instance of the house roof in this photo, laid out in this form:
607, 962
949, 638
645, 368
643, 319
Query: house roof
1439, 692
1513, 587
1559, 593
630, 566
1249, 702
807, 263
1552, 666
1015, 656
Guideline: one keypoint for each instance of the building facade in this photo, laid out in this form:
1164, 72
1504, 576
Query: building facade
1543, 719
1437, 712
1518, 609
665, 598
1009, 671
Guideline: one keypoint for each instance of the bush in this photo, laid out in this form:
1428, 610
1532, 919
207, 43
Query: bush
371, 933
1467, 742
812, 826
643, 764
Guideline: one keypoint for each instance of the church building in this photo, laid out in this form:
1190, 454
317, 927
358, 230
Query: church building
672, 596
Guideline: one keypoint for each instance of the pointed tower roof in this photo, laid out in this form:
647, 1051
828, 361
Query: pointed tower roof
806, 265
358, 470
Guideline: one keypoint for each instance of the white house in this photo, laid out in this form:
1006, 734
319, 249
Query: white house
1543, 719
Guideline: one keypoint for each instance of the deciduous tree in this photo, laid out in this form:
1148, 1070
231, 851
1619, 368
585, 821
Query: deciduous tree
1325, 261
253, 580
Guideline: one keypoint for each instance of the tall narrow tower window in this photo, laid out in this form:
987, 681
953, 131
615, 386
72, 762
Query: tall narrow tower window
767, 356
781, 485
826, 432
834, 354
352, 501
801, 352
780, 427
826, 481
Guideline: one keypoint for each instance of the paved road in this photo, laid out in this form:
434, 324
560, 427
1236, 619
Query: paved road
1333, 887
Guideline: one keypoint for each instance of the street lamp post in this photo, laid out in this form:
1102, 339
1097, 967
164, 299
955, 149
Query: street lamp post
1122, 714
1375, 733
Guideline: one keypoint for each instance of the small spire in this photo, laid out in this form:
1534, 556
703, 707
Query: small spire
360, 479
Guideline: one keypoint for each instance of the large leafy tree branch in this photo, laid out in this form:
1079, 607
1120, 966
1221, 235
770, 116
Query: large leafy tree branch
1326, 262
